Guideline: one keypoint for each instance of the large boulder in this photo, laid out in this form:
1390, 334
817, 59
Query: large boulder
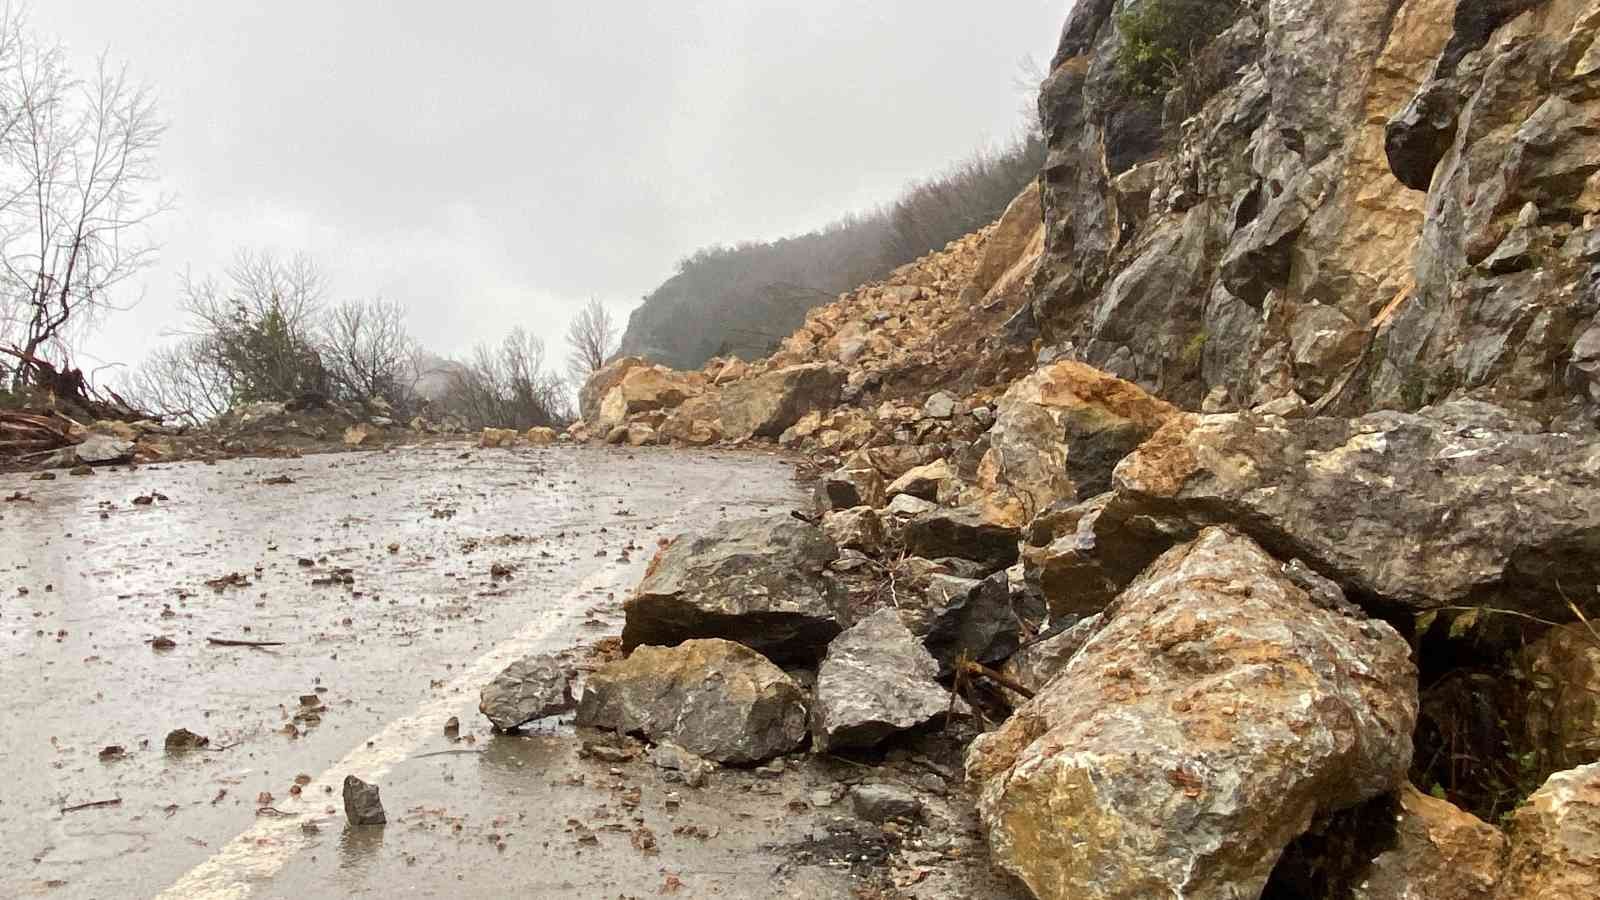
1080, 557
1016, 238
101, 449
969, 618
766, 405
1219, 709
876, 681
647, 389
608, 376
714, 698
757, 581
1438, 852
529, 689
1555, 840
1059, 432
964, 533
1425, 511
696, 421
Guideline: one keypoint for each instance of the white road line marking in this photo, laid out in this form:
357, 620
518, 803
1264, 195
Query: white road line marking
261, 850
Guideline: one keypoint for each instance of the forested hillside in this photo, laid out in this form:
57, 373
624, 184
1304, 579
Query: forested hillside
742, 299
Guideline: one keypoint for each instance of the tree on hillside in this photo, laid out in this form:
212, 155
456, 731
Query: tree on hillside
180, 381
76, 175
506, 386
260, 330
369, 353
591, 339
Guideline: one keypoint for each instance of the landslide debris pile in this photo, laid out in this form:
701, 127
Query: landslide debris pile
1241, 483
860, 370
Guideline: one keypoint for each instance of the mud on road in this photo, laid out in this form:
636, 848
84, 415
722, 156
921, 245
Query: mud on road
395, 584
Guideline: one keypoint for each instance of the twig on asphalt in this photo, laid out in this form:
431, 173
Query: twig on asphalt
229, 642
96, 804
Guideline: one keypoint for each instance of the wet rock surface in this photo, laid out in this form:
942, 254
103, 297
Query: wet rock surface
1380, 503
1555, 839
766, 405
536, 687
714, 698
877, 680
757, 581
1438, 852
1217, 694
362, 805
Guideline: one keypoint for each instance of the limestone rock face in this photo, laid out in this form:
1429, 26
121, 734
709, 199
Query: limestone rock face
1082, 556
1421, 510
759, 582
877, 680
1061, 430
1340, 211
1439, 853
1217, 711
594, 391
1555, 839
963, 533
645, 389
1034, 665
714, 698
766, 405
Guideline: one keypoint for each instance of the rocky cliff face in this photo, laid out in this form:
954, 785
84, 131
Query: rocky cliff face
1239, 644
1379, 205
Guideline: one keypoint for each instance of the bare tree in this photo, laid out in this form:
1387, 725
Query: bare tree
591, 339
181, 381
506, 386
76, 174
369, 353
260, 332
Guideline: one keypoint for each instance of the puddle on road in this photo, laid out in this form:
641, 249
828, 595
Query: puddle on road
375, 574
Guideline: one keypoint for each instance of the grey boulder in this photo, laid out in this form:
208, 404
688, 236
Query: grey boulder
361, 803
714, 698
876, 681
759, 582
529, 689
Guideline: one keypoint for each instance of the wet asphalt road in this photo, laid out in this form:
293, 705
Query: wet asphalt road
375, 572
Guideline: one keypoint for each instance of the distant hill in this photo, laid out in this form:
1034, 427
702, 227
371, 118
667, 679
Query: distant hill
744, 299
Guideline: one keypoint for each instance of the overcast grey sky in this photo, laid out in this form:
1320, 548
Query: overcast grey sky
490, 164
